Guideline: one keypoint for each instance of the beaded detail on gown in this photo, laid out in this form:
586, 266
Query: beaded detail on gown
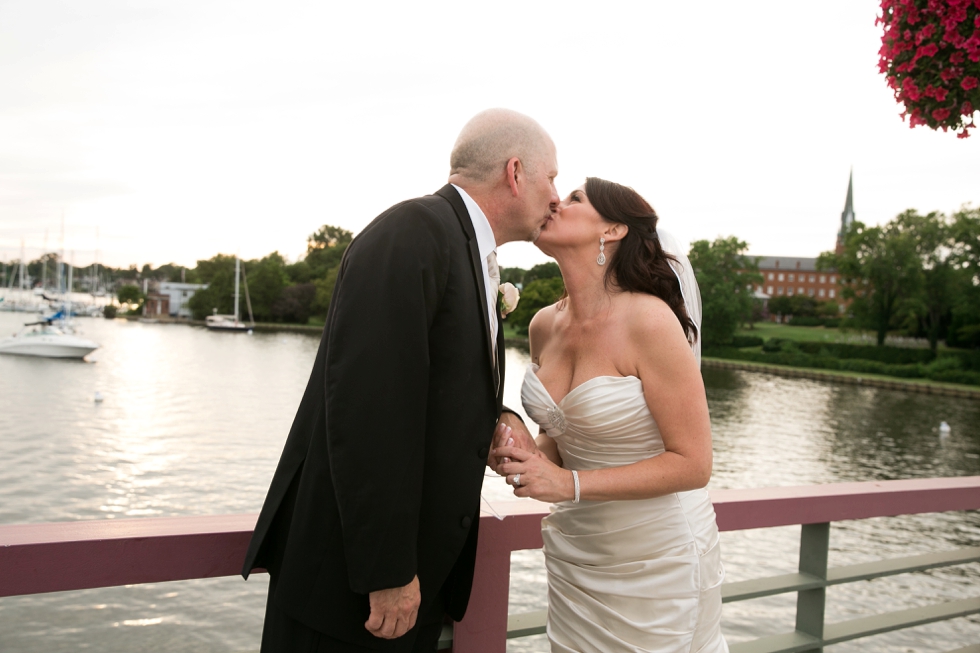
641, 575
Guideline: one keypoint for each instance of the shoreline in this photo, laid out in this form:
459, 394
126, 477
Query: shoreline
921, 386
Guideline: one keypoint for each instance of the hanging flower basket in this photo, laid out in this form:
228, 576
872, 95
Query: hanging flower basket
930, 54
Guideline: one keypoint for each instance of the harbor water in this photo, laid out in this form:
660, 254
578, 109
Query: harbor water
192, 423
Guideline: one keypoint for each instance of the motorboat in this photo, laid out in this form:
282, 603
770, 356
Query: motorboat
47, 340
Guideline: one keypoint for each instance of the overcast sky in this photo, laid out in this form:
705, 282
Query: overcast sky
176, 130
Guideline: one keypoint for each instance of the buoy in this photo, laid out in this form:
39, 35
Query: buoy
944, 429
98, 397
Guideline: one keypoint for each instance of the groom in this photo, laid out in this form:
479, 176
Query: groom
369, 529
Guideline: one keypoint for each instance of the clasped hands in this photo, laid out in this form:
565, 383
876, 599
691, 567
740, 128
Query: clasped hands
516, 456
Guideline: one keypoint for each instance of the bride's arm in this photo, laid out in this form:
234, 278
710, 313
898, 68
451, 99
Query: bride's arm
675, 394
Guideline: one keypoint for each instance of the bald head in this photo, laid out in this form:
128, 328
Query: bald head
493, 137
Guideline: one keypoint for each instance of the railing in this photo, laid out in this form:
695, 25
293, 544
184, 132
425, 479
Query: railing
36, 558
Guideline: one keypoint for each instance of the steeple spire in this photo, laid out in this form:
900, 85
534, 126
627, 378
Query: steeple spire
847, 216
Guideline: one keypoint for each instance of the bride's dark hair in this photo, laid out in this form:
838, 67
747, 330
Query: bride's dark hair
639, 264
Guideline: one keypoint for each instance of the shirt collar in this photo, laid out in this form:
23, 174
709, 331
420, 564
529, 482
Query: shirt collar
485, 241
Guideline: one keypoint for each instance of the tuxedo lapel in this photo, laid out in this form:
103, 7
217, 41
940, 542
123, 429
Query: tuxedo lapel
450, 194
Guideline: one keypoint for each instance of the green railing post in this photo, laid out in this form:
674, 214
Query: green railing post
814, 544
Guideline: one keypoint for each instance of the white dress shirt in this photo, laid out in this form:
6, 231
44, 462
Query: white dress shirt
486, 243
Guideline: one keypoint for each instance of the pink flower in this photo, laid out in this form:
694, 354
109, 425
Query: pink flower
927, 50
940, 113
957, 57
940, 94
963, 134
966, 109
967, 84
947, 74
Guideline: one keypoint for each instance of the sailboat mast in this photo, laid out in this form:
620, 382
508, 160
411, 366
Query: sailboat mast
67, 305
237, 270
44, 263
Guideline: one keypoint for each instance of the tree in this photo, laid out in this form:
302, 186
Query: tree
512, 275
880, 271
964, 328
266, 281
932, 237
295, 303
324, 292
535, 296
324, 249
130, 294
726, 277
219, 273
549, 270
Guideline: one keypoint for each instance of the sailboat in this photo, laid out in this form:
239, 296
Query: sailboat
218, 322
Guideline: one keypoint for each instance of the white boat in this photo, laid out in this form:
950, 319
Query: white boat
218, 322
47, 340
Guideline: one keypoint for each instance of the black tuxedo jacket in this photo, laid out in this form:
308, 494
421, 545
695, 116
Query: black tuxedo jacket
380, 477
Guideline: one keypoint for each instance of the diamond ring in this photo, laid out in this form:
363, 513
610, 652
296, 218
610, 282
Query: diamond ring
517, 480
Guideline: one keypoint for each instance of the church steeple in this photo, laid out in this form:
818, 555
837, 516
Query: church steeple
847, 216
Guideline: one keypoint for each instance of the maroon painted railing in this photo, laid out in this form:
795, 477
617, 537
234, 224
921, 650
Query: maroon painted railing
51, 557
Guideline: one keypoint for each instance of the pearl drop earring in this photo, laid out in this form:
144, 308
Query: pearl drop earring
601, 259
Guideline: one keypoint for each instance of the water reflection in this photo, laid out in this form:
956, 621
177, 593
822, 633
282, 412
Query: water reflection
193, 423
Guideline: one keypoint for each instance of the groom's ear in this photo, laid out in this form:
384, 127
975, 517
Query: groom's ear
515, 170
616, 231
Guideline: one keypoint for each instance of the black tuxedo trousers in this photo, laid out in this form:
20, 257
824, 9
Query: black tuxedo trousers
380, 476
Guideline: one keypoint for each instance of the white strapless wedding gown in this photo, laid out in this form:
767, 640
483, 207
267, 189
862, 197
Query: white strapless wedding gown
641, 575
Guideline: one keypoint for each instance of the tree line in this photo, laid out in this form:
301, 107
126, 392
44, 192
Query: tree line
918, 274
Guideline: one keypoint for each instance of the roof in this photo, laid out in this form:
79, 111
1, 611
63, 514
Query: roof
787, 263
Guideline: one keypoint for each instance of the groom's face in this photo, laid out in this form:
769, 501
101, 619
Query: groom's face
542, 196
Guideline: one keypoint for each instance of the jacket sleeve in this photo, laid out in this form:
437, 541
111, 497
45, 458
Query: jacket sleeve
387, 296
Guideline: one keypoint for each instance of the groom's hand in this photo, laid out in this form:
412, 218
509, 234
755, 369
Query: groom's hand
394, 611
510, 432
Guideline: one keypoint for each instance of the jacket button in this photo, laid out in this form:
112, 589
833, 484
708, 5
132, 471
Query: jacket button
483, 453
465, 522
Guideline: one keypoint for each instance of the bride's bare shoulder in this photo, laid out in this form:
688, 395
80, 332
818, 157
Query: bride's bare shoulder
650, 317
541, 328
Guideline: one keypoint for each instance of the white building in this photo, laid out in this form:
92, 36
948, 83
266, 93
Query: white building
180, 294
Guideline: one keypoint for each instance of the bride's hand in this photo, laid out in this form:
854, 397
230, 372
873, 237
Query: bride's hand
539, 478
510, 432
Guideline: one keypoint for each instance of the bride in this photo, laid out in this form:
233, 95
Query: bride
624, 452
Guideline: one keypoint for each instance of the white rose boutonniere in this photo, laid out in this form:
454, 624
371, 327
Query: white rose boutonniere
510, 295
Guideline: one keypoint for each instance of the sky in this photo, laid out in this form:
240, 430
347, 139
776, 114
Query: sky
169, 131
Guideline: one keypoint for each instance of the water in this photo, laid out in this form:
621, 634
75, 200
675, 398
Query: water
192, 423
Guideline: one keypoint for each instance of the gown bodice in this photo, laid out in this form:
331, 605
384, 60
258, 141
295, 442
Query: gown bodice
604, 422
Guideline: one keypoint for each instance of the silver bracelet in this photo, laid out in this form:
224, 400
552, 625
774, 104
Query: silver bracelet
578, 488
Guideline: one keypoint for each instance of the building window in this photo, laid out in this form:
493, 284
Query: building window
183, 293
822, 292
779, 291
809, 291
792, 277
823, 278
771, 275
781, 276
799, 290
832, 293
769, 290
833, 279
789, 291
813, 278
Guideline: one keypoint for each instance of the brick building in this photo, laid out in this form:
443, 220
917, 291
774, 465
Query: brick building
797, 275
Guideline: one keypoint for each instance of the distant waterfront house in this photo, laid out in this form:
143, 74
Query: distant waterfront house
156, 304
180, 294
798, 275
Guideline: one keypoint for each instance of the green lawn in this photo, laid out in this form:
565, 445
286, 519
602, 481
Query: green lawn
766, 330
